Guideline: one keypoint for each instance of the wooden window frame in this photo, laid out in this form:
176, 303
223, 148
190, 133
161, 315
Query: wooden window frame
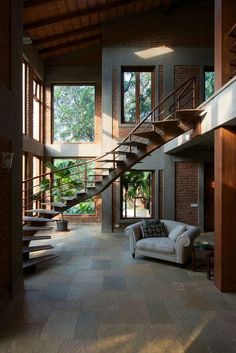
152, 196
137, 70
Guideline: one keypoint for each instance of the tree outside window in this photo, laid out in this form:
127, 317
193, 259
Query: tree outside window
209, 81
137, 194
137, 94
73, 112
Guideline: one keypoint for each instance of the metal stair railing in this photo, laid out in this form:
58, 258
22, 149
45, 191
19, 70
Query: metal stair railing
180, 98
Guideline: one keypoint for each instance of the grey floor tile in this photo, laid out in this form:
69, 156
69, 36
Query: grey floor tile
86, 326
55, 291
60, 325
101, 264
114, 283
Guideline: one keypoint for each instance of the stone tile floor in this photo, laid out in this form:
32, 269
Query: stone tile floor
95, 298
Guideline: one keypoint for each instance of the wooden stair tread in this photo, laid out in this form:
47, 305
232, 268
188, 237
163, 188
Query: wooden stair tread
37, 219
27, 228
110, 161
35, 237
151, 135
43, 211
189, 112
36, 260
123, 153
133, 144
169, 126
27, 249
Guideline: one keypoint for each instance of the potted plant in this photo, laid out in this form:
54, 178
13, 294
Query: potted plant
63, 184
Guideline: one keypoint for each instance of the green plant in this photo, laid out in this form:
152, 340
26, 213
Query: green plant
64, 182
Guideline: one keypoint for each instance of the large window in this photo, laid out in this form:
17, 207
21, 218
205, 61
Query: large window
137, 93
209, 81
137, 194
73, 112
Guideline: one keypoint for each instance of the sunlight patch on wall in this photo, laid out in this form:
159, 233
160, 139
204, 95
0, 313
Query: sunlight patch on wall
153, 52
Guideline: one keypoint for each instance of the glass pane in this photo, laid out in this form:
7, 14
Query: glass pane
23, 98
136, 194
145, 94
36, 120
74, 110
129, 97
209, 83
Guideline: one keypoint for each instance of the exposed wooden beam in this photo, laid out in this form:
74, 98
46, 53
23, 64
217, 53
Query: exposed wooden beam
70, 44
67, 34
77, 14
31, 3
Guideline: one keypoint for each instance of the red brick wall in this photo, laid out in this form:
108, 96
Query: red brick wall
186, 192
185, 72
96, 218
5, 233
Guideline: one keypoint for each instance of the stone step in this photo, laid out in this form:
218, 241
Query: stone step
27, 228
37, 219
28, 249
37, 260
54, 204
35, 237
43, 211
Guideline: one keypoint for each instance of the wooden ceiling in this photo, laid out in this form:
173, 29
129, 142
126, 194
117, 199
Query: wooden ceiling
58, 27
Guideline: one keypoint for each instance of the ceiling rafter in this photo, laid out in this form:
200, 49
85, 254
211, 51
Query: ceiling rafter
31, 3
77, 14
70, 44
68, 34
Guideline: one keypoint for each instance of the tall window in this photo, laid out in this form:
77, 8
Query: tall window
37, 109
73, 112
24, 85
137, 93
209, 81
137, 194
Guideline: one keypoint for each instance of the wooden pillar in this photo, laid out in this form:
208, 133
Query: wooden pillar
225, 209
224, 20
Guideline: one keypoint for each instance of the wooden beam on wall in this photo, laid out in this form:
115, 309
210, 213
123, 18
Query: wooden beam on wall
77, 14
67, 34
70, 44
32, 3
225, 209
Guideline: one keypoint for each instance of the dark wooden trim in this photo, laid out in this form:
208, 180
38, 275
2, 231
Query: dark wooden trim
32, 3
70, 44
67, 34
77, 14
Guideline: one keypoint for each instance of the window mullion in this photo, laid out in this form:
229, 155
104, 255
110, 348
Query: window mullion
137, 95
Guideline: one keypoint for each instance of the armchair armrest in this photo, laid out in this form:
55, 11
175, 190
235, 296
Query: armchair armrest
134, 233
184, 244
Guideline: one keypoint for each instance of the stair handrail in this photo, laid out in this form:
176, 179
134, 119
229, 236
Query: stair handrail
184, 85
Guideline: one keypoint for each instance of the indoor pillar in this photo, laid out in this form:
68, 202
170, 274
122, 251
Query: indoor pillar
225, 209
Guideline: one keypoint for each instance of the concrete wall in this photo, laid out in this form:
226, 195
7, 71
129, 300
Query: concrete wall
127, 56
10, 128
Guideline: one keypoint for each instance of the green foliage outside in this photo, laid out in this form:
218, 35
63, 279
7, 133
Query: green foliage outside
131, 93
136, 185
74, 110
209, 83
87, 207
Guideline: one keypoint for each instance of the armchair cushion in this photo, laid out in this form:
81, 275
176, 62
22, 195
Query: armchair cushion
176, 232
153, 228
161, 244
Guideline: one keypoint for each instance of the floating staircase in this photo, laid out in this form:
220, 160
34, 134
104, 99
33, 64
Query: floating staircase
174, 115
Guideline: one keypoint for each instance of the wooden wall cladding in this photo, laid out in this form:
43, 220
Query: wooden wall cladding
5, 43
5, 229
